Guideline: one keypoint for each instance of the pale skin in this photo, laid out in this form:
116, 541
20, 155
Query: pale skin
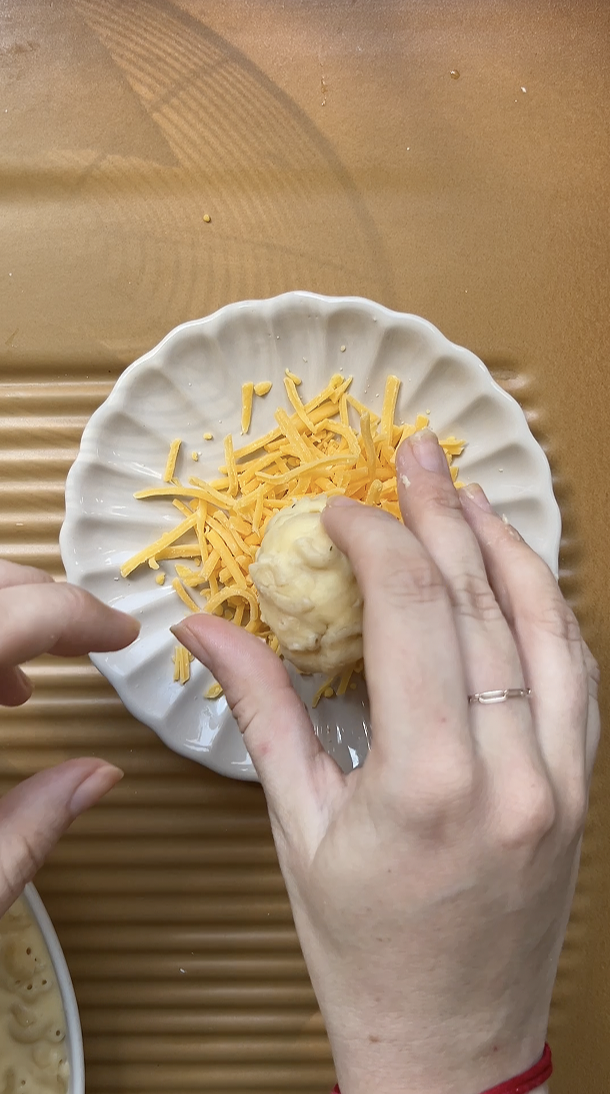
41, 616
431, 889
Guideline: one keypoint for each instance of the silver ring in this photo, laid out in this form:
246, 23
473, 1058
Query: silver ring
488, 698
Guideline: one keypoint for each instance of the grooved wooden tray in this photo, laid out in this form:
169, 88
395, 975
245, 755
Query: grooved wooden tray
335, 151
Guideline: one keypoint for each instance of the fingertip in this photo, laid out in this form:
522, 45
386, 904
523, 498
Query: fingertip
93, 787
475, 494
86, 623
183, 627
117, 631
15, 687
208, 635
36, 812
403, 462
221, 646
477, 510
337, 513
340, 501
193, 631
350, 526
191, 639
132, 626
404, 452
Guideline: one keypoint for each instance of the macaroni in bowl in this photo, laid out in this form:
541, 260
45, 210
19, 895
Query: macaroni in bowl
33, 1052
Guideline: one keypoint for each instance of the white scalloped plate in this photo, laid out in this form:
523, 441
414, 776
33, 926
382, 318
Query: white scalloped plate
190, 384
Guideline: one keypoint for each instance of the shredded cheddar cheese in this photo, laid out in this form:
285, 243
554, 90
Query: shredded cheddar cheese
172, 456
213, 692
182, 665
184, 596
247, 393
332, 444
389, 407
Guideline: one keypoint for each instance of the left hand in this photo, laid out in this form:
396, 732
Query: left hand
40, 616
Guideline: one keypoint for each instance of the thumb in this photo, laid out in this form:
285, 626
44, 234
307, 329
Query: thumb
38, 811
276, 727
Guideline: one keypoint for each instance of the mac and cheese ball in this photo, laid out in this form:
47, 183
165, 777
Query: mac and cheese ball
307, 590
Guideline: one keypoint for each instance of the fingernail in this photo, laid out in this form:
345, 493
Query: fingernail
512, 531
25, 680
134, 623
181, 631
194, 640
428, 452
94, 787
340, 500
478, 496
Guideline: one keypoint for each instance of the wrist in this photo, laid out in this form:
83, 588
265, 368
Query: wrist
373, 1066
539, 1090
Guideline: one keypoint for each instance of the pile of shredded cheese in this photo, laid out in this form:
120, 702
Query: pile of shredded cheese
332, 444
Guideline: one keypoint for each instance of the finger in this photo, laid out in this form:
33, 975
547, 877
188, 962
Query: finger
411, 651
59, 619
547, 636
593, 715
295, 771
37, 812
15, 687
11, 573
431, 508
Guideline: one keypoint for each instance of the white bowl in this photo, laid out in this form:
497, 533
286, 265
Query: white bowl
191, 383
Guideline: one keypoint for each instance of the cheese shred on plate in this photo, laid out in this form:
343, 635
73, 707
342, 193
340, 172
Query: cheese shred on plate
332, 444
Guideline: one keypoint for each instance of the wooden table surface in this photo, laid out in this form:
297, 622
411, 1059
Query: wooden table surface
449, 159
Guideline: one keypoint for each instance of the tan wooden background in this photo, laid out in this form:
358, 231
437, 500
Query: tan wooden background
336, 149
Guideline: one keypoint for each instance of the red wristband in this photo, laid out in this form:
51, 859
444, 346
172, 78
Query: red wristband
521, 1084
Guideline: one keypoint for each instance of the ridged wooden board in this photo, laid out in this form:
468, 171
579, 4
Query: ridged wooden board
333, 151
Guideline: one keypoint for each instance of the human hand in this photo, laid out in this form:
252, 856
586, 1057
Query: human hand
431, 889
40, 616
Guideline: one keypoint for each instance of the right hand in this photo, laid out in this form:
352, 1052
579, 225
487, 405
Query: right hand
431, 889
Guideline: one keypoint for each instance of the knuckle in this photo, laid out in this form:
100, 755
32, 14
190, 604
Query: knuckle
592, 667
441, 792
440, 492
529, 814
19, 861
74, 597
243, 708
73, 606
472, 596
408, 580
574, 806
559, 621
